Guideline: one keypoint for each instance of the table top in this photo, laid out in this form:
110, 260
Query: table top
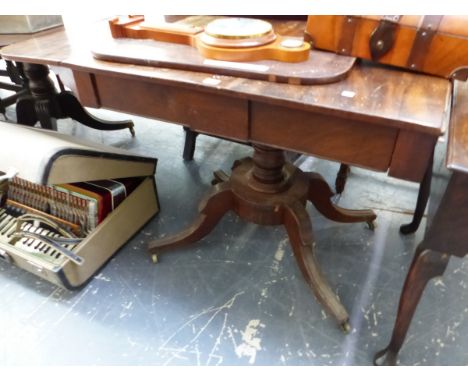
12, 38
371, 93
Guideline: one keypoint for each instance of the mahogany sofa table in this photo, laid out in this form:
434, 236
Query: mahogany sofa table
376, 118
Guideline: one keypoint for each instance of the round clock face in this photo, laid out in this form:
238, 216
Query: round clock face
238, 32
238, 28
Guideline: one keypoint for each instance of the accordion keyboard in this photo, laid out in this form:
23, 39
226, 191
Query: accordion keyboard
32, 237
48, 222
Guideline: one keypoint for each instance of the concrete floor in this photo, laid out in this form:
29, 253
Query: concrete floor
236, 297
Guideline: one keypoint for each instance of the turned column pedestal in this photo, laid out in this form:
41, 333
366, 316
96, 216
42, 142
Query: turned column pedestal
268, 191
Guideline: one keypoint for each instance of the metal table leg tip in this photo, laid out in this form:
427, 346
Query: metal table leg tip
346, 327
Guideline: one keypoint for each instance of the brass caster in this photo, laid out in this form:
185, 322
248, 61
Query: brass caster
236, 163
345, 327
371, 225
219, 177
154, 258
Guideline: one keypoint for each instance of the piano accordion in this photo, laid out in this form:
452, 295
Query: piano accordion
69, 205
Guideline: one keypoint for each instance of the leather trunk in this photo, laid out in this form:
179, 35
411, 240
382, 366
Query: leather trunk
435, 45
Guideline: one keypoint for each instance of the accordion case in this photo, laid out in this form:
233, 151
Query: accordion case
66, 204
431, 44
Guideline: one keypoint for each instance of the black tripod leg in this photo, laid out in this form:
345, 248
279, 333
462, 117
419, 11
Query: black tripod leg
25, 112
341, 178
71, 107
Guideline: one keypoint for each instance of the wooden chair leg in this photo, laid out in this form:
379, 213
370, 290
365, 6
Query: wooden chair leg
189, 144
426, 265
421, 203
299, 228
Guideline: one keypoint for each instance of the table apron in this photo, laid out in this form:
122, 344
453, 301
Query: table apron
405, 154
330, 137
203, 112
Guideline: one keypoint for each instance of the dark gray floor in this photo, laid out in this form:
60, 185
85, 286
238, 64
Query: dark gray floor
237, 296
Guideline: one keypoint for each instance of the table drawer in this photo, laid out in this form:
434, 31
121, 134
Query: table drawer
204, 112
329, 137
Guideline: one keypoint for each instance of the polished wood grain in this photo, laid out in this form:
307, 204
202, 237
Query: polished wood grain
388, 97
369, 93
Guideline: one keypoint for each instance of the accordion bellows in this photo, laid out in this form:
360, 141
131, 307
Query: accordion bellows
72, 203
